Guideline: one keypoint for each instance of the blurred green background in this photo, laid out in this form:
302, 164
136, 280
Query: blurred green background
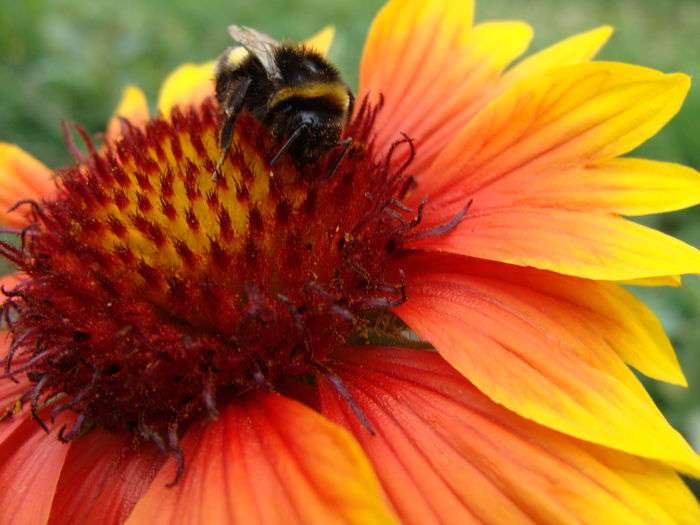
62, 59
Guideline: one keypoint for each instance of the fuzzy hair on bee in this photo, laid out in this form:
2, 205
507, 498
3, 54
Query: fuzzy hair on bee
290, 88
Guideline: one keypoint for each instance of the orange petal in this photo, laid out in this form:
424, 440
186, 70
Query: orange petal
625, 186
7, 283
576, 49
21, 177
402, 31
449, 101
132, 107
267, 460
656, 482
432, 68
102, 479
188, 85
563, 119
29, 471
446, 453
616, 319
546, 352
591, 245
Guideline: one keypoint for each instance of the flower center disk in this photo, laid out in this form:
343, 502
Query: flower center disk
156, 290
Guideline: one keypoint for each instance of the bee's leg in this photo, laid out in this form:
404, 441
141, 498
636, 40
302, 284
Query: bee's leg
346, 143
287, 144
225, 139
232, 107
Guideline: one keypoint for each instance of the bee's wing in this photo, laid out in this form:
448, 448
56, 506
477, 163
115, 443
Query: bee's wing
259, 45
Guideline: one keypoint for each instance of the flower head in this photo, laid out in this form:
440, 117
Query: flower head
426, 326
155, 287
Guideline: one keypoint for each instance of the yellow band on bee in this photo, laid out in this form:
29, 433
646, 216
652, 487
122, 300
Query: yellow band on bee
333, 91
236, 55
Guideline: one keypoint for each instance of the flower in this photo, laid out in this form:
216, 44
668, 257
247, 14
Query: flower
434, 331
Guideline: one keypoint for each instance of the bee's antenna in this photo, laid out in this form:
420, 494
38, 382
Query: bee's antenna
288, 144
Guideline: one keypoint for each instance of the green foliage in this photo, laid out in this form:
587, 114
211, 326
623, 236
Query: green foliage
69, 59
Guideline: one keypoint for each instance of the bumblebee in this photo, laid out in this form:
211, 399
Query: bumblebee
290, 88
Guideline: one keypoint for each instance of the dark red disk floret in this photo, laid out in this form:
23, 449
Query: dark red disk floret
156, 289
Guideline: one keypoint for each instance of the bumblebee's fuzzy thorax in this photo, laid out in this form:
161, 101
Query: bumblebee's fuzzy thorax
290, 88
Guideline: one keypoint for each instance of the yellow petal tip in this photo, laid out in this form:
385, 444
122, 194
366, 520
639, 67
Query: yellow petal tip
673, 281
132, 106
682, 80
321, 41
132, 94
524, 31
6, 147
601, 35
682, 381
605, 32
188, 84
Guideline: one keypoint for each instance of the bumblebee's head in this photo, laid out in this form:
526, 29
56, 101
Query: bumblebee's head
311, 104
316, 125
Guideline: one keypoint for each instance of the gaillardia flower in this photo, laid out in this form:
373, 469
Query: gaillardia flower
428, 327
